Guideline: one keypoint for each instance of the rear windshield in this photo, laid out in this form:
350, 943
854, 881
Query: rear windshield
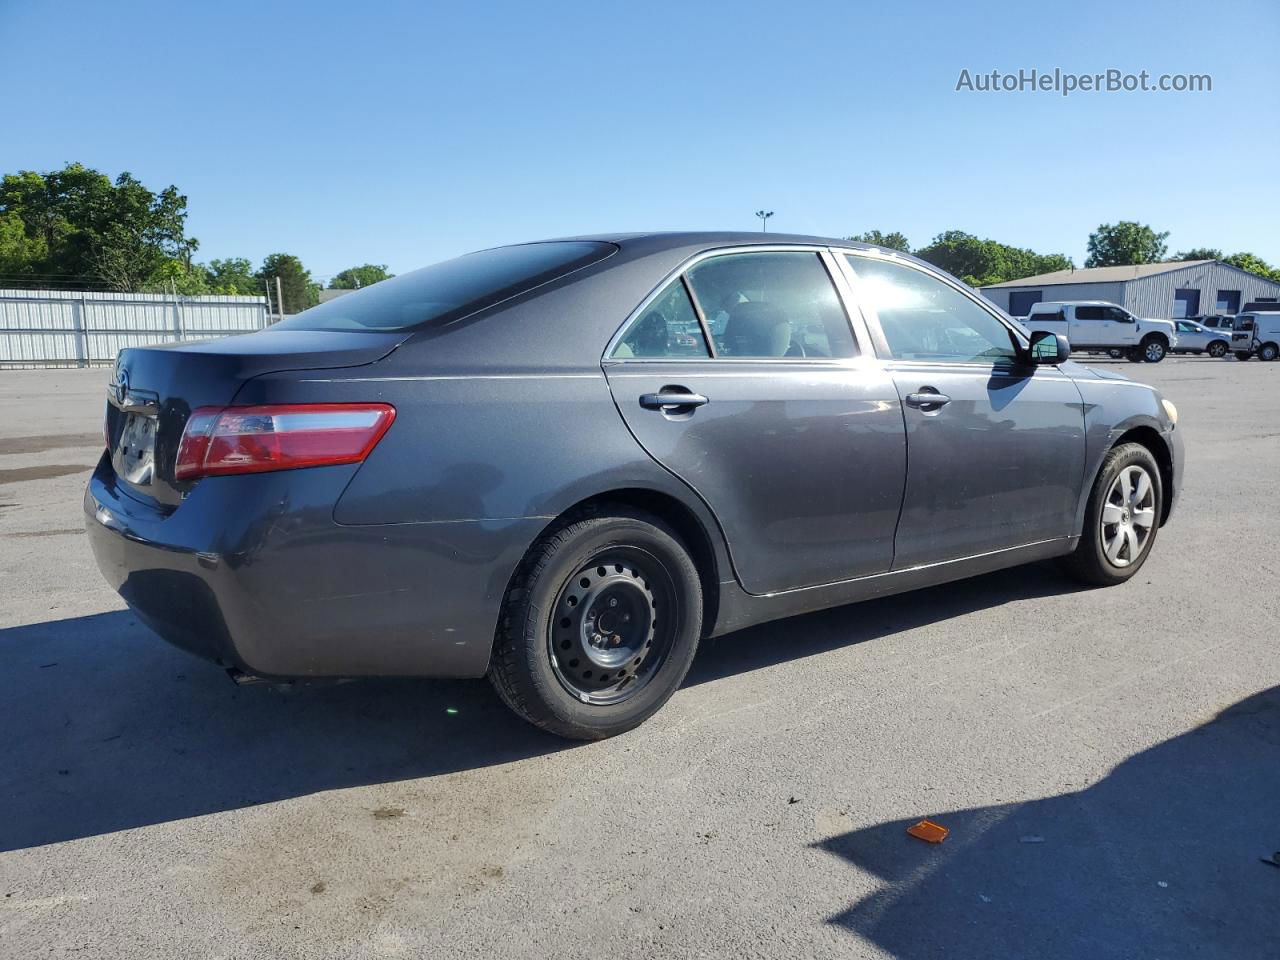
447, 291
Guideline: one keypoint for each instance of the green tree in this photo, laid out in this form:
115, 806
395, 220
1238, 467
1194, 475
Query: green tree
353, 278
296, 285
233, 276
79, 225
1123, 243
1254, 264
19, 253
889, 241
1197, 253
981, 262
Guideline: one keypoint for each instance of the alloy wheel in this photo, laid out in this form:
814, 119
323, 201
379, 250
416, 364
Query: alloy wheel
1217, 349
1153, 351
1128, 516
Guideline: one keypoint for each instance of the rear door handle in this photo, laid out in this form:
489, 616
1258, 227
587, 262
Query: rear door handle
927, 399
671, 400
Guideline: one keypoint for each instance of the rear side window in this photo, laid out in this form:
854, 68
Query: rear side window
450, 290
771, 305
668, 327
1091, 313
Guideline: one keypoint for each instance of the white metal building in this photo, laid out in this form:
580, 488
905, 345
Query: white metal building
1184, 288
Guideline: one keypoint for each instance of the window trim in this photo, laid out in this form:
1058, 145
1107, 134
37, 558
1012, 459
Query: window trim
853, 317
883, 352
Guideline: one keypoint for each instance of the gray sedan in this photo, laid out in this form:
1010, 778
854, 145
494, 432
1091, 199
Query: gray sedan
562, 464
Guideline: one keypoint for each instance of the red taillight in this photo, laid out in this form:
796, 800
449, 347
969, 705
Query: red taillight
219, 441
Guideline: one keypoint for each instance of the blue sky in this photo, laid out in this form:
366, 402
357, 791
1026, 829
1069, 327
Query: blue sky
403, 133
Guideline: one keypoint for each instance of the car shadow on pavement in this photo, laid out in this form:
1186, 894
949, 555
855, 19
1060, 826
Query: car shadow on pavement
1161, 858
108, 728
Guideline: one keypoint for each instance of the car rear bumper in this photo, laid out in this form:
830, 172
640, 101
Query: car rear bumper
253, 573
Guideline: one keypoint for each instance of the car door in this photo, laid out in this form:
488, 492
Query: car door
744, 378
1120, 326
995, 445
1091, 326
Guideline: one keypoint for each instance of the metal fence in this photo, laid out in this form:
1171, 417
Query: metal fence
58, 328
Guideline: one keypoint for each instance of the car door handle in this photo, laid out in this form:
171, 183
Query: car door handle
671, 399
927, 399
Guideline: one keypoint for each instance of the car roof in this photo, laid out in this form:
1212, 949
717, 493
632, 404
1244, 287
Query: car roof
670, 239
1075, 303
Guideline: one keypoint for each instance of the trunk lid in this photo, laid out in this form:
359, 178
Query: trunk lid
153, 390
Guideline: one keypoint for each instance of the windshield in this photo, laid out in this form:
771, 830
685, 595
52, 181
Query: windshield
447, 291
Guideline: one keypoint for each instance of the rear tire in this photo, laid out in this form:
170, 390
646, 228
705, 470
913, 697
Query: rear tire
1115, 353
1134, 355
1217, 349
1243, 355
599, 626
1268, 352
1121, 520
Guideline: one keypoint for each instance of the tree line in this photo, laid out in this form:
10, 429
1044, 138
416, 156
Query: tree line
76, 227
981, 263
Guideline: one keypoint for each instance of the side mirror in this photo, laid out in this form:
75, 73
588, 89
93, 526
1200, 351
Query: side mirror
1049, 347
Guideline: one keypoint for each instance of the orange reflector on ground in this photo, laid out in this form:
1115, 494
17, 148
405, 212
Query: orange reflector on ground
928, 831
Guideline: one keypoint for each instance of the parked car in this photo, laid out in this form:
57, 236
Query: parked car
1101, 326
1217, 321
1194, 338
504, 465
1257, 333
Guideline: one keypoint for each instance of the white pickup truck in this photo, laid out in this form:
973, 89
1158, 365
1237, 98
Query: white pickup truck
1098, 325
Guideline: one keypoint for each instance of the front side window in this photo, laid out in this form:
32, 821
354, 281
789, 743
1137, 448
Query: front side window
1184, 327
926, 319
771, 305
668, 327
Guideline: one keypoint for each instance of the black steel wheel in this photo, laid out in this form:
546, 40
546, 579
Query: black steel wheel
599, 625
609, 635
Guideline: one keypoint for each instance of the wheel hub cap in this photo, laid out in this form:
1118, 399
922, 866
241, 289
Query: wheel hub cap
1128, 516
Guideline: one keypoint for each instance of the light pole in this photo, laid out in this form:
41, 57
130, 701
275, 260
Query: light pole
764, 216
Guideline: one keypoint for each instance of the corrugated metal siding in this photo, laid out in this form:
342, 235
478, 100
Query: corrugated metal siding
1153, 296
61, 328
1062, 291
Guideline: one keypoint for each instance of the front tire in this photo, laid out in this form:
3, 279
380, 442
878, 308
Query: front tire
1243, 355
1121, 520
1217, 349
1154, 349
599, 626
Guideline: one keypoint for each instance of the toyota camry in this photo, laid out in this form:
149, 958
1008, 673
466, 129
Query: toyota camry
563, 464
